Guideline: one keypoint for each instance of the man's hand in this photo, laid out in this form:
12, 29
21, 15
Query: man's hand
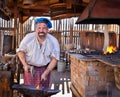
43, 77
49, 68
26, 68
45, 74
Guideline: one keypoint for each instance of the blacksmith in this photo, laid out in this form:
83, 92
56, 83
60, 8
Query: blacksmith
39, 53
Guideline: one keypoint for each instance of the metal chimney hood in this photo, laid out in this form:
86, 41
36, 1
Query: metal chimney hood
101, 12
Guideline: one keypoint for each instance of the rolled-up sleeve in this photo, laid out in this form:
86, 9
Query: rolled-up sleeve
56, 50
56, 54
23, 45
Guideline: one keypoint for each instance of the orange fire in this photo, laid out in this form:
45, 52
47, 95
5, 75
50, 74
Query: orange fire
110, 49
38, 86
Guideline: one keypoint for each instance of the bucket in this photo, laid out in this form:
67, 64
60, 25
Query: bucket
61, 66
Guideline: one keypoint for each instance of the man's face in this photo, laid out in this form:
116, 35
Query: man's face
41, 30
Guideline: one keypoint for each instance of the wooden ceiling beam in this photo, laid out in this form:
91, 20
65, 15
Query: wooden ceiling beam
10, 3
68, 15
86, 1
36, 14
69, 4
34, 7
25, 18
46, 7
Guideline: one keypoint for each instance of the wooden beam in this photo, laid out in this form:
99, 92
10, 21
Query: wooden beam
9, 29
35, 7
20, 18
25, 18
10, 3
14, 41
69, 4
21, 32
21, 28
71, 31
36, 14
119, 37
86, 1
58, 5
68, 15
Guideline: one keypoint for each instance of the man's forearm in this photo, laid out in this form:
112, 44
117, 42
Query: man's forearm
21, 56
51, 66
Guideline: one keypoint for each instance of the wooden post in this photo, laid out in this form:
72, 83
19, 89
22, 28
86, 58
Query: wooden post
15, 27
71, 31
21, 28
21, 31
119, 37
58, 32
69, 4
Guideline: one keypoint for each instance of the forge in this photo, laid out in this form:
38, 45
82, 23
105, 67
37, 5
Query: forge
94, 70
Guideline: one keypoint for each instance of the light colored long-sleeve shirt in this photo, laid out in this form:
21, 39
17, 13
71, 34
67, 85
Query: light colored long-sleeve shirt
39, 55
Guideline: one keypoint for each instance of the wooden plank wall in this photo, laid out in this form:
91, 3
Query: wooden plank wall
61, 29
6, 29
92, 40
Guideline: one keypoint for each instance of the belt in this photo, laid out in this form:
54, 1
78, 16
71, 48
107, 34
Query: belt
31, 69
40, 66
